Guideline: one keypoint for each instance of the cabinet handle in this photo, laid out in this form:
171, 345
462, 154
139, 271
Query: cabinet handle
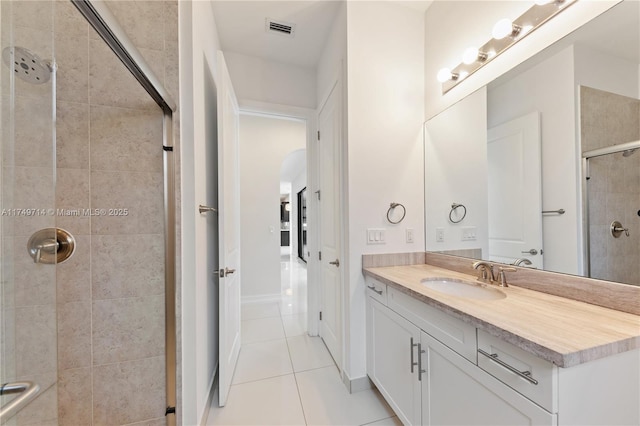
524, 374
420, 370
372, 287
413, 363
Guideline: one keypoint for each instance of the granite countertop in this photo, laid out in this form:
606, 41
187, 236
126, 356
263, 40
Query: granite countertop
563, 331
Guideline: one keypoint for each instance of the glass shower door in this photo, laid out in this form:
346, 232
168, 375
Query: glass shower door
28, 314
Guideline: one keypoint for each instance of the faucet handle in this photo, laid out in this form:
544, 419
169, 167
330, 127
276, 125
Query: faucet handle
503, 276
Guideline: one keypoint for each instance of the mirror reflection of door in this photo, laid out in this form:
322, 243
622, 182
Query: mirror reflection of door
515, 212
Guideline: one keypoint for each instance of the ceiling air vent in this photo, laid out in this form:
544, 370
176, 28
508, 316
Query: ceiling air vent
280, 27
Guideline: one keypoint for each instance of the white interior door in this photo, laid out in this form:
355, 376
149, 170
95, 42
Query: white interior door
229, 229
515, 194
329, 125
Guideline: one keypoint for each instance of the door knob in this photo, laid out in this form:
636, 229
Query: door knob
226, 271
532, 252
336, 263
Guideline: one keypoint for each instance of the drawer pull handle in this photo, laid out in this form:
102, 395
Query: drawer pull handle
372, 287
413, 363
524, 374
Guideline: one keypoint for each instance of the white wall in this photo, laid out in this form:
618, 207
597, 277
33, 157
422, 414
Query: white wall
554, 99
385, 145
605, 72
262, 80
198, 307
453, 26
264, 144
456, 171
332, 61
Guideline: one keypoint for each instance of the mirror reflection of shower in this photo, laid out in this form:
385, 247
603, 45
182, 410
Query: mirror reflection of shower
27, 65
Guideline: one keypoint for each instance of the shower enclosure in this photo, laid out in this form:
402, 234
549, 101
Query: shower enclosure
86, 161
610, 139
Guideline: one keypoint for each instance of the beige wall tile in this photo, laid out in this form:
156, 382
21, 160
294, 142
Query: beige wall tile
127, 266
36, 340
162, 421
36, 14
142, 20
126, 140
73, 277
72, 60
171, 20
33, 143
69, 21
140, 193
74, 335
74, 397
42, 411
127, 329
136, 388
72, 135
34, 283
110, 83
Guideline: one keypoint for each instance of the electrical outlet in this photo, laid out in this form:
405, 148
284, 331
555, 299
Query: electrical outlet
468, 233
439, 235
376, 236
409, 235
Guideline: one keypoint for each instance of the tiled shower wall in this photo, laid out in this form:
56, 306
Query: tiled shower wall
614, 184
105, 306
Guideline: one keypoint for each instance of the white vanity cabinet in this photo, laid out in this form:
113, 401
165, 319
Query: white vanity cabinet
457, 392
425, 381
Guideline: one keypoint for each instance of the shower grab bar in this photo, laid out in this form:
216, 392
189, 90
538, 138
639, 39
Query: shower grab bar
27, 390
559, 211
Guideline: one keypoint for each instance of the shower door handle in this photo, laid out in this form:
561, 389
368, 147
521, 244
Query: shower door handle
26, 390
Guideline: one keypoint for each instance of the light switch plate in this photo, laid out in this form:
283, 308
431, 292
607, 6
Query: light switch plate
439, 235
376, 236
469, 233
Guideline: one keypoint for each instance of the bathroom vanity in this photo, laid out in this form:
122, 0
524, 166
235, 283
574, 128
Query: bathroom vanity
515, 357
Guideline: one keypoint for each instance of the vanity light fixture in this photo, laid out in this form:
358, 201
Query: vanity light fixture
505, 34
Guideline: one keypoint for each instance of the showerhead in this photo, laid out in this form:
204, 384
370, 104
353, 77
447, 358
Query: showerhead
629, 152
26, 65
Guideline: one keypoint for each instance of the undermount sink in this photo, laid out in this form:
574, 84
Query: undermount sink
462, 288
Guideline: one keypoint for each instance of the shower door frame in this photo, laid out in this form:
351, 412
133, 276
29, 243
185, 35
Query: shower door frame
102, 20
586, 156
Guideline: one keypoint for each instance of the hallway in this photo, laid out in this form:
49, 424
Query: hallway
285, 377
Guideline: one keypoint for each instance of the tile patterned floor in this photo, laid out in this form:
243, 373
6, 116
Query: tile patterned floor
285, 377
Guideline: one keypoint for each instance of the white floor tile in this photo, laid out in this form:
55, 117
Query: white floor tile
272, 401
294, 325
262, 360
251, 311
261, 330
308, 353
326, 401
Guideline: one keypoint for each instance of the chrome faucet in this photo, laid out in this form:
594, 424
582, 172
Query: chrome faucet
486, 271
521, 261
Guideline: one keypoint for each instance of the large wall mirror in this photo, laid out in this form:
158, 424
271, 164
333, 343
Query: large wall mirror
541, 167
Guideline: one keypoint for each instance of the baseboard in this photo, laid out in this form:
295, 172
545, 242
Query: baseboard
212, 388
356, 385
263, 298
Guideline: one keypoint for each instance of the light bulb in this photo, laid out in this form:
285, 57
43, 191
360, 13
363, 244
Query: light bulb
470, 55
502, 28
543, 2
444, 75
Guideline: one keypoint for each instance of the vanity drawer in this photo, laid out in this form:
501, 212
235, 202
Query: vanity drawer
377, 290
454, 333
531, 376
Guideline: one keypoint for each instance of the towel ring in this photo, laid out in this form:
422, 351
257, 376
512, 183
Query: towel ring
454, 207
393, 206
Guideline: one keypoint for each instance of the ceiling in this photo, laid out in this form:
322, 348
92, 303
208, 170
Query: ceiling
241, 27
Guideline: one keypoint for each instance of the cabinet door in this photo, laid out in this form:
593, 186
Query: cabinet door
389, 358
457, 392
